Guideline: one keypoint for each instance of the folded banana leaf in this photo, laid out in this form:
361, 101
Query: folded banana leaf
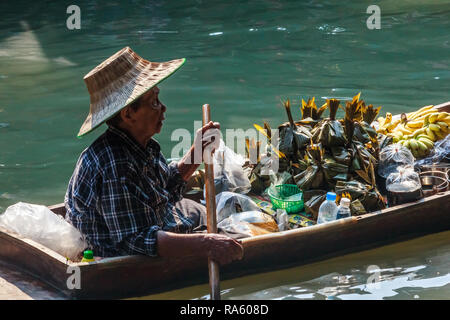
309, 110
332, 134
369, 196
362, 134
315, 132
357, 208
369, 113
363, 162
342, 155
313, 177
257, 183
293, 139
334, 171
312, 201
353, 114
298, 167
331, 131
383, 141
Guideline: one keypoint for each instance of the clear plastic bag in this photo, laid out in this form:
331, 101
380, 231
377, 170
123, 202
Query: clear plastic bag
283, 220
405, 179
228, 172
228, 203
40, 224
249, 223
393, 156
440, 153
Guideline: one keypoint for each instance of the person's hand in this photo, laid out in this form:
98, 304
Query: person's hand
206, 140
223, 249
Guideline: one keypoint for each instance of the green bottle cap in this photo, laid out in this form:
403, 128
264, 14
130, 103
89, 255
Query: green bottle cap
88, 254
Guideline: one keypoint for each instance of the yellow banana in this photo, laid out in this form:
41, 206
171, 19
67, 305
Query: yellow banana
405, 143
414, 152
423, 136
427, 142
403, 129
408, 136
414, 124
397, 137
430, 134
422, 146
443, 125
413, 144
433, 117
380, 120
391, 126
388, 119
419, 131
434, 127
442, 115
422, 115
411, 114
440, 135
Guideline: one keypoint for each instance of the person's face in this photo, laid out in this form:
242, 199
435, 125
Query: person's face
150, 115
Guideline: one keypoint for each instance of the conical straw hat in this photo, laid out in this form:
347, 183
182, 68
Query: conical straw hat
120, 80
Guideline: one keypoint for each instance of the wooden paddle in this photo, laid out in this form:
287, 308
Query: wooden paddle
211, 221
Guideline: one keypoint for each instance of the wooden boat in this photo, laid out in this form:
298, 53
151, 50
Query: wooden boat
131, 276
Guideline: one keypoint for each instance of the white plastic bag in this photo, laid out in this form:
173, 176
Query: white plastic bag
228, 172
393, 156
250, 223
283, 220
228, 203
405, 179
40, 224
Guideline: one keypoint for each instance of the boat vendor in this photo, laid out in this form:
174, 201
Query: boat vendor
123, 196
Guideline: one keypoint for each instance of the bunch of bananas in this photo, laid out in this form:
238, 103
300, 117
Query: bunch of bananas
417, 130
420, 146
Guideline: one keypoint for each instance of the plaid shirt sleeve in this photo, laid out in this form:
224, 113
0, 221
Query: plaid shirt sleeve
176, 184
128, 211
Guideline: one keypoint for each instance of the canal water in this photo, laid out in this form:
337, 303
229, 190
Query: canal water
241, 59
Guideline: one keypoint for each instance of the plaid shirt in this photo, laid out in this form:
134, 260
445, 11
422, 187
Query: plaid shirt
121, 194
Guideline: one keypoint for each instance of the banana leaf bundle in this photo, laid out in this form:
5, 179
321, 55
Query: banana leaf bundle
330, 132
357, 208
363, 162
312, 201
313, 177
384, 140
342, 155
368, 195
353, 114
364, 132
293, 137
258, 182
334, 171
310, 113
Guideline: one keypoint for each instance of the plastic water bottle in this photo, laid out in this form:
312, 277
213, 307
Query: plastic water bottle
344, 209
328, 209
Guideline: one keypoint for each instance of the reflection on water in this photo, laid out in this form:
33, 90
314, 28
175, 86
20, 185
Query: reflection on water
415, 269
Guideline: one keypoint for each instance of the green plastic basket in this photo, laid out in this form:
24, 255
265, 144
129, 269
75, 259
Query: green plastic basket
283, 191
